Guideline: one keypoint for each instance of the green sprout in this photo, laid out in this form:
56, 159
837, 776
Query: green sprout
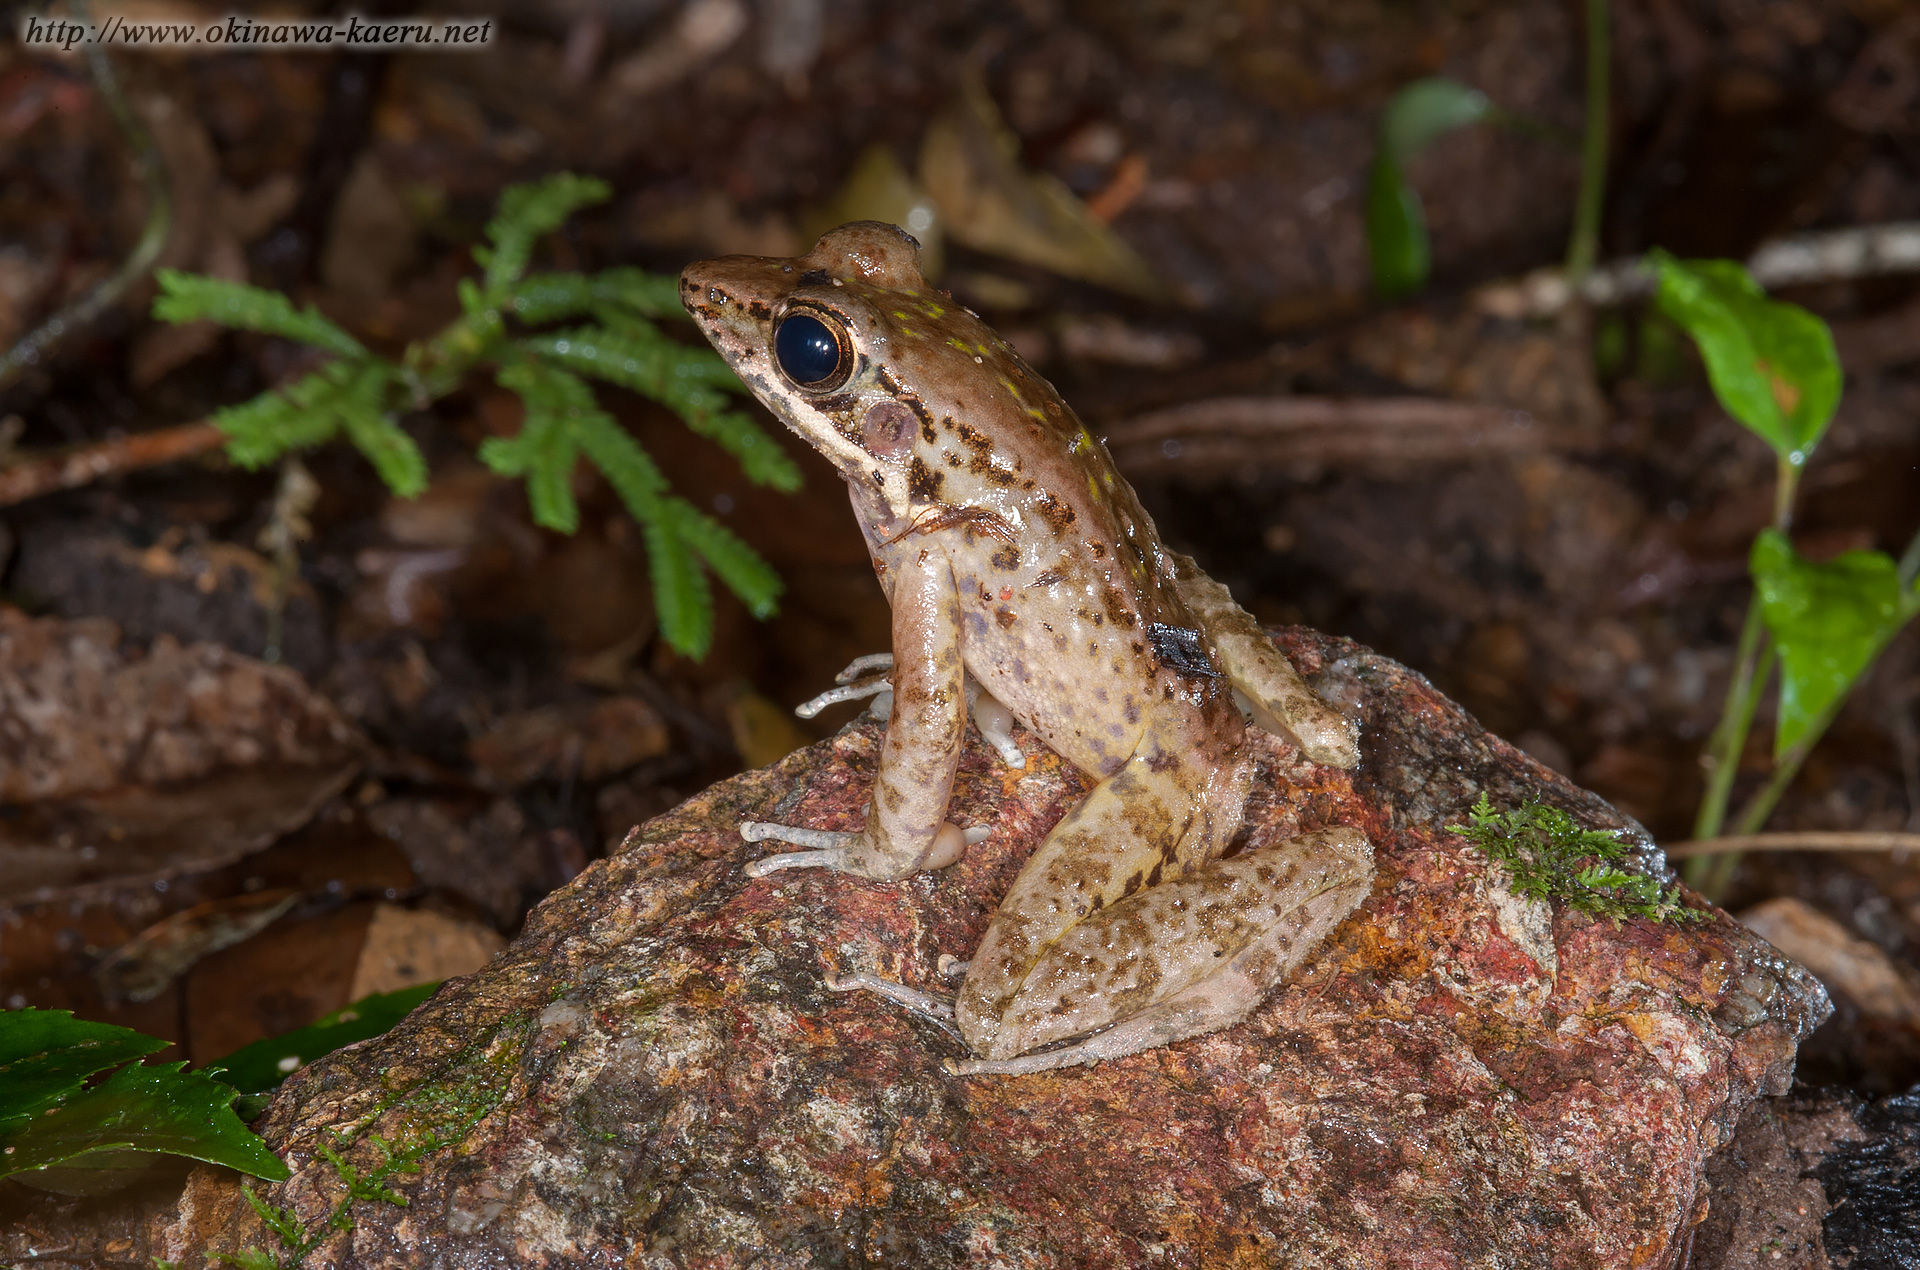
1548, 856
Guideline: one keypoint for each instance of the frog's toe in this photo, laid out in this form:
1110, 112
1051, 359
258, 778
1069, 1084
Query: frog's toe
826, 848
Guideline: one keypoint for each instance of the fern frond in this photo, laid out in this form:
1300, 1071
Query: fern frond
525, 213
683, 379
680, 593
548, 297
738, 565
304, 414
546, 449
391, 451
189, 297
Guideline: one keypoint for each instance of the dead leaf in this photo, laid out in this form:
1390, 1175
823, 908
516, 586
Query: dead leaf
407, 946
141, 968
969, 161
1842, 961
879, 188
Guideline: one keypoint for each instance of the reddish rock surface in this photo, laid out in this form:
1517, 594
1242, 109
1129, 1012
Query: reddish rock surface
655, 1075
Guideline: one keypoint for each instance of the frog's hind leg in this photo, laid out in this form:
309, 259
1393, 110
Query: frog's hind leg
1160, 814
1280, 700
1182, 958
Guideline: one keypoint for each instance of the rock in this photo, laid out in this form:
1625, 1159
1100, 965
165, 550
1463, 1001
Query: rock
1816, 1180
654, 1074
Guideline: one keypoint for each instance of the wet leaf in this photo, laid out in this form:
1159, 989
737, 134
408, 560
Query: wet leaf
879, 188
58, 1134
1829, 621
969, 162
1418, 115
264, 1064
1773, 366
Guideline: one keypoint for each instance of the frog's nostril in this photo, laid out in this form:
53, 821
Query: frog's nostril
716, 295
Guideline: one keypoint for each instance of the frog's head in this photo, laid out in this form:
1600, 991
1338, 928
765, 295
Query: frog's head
820, 339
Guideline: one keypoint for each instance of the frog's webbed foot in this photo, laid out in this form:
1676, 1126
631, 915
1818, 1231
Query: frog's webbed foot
826, 848
871, 676
866, 676
845, 851
926, 1004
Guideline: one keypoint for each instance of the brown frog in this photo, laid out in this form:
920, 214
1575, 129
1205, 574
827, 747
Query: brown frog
1014, 555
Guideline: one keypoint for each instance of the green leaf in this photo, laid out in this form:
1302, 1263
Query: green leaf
525, 213
391, 451
305, 414
1829, 621
684, 379
1426, 110
264, 1064
1415, 117
548, 297
93, 1139
1773, 366
1397, 246
47, 1055
680, 592
189, 297
738, 565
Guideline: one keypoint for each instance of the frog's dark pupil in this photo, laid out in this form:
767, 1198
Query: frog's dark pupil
806, 348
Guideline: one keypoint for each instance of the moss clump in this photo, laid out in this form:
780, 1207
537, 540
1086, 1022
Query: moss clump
1547, 855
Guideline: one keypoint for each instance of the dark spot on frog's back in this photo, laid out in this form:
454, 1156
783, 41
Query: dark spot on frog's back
815, 278
1006, 559
922, 480
1181, 649
1058, 515
759, 310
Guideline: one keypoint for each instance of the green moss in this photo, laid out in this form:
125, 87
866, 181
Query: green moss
437, 1112
1548, 856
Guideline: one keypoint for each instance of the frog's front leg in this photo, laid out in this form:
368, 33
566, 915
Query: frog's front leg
907, 829
1281, 701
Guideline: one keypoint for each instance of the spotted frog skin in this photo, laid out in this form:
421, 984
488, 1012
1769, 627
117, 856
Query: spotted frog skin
1013, 553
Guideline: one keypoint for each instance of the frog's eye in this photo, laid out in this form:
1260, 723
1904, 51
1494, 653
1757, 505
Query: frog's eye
813, 351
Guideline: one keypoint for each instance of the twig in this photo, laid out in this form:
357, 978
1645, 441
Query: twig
84, 464
1697, 847
1229, 433
34, 346
1856, 252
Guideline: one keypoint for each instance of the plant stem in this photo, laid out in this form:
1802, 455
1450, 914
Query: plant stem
1584, 245
1752, 663
40, 342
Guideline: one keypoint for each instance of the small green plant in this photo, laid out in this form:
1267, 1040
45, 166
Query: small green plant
1422, 112
1416, 116
1547, 856
1821, 624
64, 1129
297, 1242
361, 395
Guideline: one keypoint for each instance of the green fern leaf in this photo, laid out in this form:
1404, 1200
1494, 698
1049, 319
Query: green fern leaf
738, 565
189, 297
653, 294
525, 213
683, 379
680, 593
391, 451
304, 414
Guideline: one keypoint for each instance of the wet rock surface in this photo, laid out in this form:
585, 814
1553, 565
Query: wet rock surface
655, 1074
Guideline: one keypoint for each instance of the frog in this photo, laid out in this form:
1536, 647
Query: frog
1023, 571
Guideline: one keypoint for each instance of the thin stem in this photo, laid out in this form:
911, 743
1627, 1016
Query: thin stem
1910, 562
1785, 485
1584, 245
1736, 716
36, 344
